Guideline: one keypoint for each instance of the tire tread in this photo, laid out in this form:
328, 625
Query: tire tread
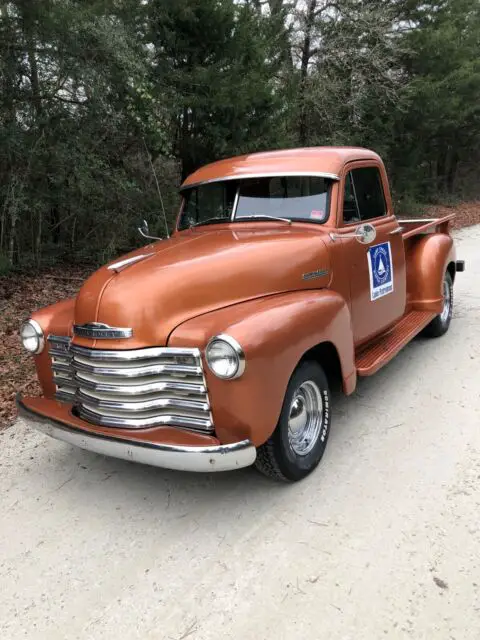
266, 462
270, 459
436, 328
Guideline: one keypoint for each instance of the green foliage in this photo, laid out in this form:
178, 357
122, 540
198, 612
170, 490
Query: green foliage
89, 89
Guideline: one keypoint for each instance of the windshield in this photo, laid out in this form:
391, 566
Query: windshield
292, 197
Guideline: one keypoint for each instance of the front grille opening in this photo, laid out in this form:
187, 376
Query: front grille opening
134, 389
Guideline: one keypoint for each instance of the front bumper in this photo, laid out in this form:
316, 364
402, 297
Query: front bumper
220, 457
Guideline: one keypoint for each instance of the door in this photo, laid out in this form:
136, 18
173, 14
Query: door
376, 255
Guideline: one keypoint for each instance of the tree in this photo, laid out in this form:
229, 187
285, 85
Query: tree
212, 60
90, 90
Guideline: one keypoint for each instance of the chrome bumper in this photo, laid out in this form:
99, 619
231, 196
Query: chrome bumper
182, 458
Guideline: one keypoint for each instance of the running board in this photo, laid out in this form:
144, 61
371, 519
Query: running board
373, 356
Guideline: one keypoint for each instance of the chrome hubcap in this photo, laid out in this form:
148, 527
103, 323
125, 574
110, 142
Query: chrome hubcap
447, 301
306, 418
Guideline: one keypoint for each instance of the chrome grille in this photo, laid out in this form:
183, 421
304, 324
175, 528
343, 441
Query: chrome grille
134, 389
59, 349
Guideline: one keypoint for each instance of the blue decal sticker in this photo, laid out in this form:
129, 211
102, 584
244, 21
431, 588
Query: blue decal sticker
380, 267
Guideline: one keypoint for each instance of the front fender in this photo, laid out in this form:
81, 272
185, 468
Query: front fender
427, 262
275, 332
56, 319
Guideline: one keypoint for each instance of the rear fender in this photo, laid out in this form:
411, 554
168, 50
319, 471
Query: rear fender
275, 333
428, 258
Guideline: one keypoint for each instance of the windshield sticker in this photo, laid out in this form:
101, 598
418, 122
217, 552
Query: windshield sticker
380, 267
317, 214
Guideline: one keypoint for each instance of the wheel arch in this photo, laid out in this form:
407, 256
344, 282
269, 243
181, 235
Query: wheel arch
326, 355
428, 258
452, 270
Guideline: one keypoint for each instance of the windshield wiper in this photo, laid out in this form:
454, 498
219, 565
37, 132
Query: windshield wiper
210, 221
261, 217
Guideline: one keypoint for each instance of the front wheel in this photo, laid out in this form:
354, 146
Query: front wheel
299, 440
440, 324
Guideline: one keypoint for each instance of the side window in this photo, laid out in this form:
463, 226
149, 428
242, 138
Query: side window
370, 198
350, 208
213, 200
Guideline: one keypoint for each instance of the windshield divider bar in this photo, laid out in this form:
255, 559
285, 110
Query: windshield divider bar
235, 204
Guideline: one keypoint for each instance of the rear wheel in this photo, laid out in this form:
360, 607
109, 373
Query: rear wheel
440, 324
299, 440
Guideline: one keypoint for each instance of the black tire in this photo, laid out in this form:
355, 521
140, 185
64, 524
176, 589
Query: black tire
277, 458
440, 324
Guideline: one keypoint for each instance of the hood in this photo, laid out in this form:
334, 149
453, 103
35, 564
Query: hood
195, 272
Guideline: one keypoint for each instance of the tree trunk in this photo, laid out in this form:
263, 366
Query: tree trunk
441, 169
29, 31
38, 240
185, 150
11, 243
452, 171
305, 60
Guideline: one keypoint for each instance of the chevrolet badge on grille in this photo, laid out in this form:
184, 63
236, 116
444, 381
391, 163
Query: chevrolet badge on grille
101, 331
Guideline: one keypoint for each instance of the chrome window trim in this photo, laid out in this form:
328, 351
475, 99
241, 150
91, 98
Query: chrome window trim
272, 174
238, 350
235, 204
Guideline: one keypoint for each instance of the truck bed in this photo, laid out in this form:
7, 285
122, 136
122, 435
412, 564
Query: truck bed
416, 226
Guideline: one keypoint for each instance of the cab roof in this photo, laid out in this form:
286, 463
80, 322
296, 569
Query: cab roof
324, 161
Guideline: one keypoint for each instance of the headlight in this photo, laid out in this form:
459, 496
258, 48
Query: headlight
225, 357
32, 336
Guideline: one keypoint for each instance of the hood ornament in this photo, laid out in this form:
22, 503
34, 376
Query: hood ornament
101, 331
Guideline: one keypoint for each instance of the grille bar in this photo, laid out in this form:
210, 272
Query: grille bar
138, 372
143, 405
136, 354
62, 368
132, 389
145, 422
142, 389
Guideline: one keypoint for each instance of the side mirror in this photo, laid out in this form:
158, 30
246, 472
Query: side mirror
144, 231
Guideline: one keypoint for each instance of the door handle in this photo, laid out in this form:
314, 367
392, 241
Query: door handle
396, 231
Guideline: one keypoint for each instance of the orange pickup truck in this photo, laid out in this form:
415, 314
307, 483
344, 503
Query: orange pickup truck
216, 348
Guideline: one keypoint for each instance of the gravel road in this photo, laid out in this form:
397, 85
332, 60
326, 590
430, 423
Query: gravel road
382, 541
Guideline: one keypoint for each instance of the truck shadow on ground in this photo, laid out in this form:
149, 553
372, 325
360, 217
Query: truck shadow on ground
116, 482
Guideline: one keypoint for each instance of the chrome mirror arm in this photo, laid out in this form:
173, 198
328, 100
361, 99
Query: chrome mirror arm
365, 234
143, 231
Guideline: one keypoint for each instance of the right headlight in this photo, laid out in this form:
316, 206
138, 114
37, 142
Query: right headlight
32, 336
225, 357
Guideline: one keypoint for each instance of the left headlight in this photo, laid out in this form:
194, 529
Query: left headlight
32, 336
225, 357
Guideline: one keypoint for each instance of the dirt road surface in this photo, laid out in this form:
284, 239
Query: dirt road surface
382, 541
